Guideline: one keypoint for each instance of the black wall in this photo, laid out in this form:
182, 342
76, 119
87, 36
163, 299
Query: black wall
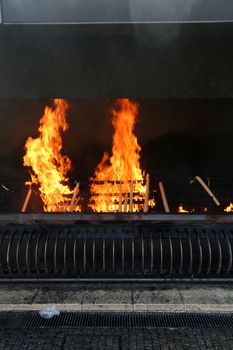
108, 61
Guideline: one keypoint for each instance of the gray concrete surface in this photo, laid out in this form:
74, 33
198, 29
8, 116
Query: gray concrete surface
117, 339
117, 297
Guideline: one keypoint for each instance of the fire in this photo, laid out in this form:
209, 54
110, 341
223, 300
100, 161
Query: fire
229, 209
182, 210
49, 166
118, 180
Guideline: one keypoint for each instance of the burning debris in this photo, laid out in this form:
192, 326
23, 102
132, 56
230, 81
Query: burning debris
182, 210
49, 166
229, 209
118, 183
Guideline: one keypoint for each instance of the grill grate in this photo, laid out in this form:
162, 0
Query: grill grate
117, 320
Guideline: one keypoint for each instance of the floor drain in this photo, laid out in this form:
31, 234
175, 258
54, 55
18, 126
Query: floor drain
116, 320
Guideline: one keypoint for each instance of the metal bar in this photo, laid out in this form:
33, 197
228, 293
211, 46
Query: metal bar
151, 253
181, 254
1, 243
57, 218
65, 252
104, 244
200, 254
171, 254
220, 255
143, 254
84, 252
17, 251
123, 254
113, 255
209, 254
132, 251
190, 269
230, 253
45, 252
93, 254
161, 252
118, 280
27, 252
74, 253
8, 251
55, 252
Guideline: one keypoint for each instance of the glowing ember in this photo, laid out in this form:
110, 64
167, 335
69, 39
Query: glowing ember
118, 181
182, 210
229, 209
49, 166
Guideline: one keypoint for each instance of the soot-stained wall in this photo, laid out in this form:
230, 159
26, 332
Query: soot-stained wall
109, 61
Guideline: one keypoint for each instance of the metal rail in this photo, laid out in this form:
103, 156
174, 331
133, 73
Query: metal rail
115, 252
155, 218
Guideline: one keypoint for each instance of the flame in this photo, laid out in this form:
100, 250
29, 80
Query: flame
49, 166
118, 180
182, 210
229, 209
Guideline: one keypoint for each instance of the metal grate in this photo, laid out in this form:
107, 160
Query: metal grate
115, 251
108, 319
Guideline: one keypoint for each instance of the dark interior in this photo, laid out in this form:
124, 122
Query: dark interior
182, 137
179, 73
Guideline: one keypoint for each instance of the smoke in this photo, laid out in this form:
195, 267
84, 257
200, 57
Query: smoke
160, 10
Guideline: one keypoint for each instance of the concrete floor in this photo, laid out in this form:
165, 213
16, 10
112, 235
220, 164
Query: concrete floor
71, 297
117, 297
116, 339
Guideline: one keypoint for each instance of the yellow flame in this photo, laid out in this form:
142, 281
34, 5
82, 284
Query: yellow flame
119, 178
182, 210
49, 166
229, 209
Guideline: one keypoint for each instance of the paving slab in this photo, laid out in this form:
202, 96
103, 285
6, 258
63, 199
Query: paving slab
201, 295
118, 297
160, 296
19, 294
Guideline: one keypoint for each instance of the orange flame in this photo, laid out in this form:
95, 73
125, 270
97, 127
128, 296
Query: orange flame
229, 209
119, 179
50, 167
182, 210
